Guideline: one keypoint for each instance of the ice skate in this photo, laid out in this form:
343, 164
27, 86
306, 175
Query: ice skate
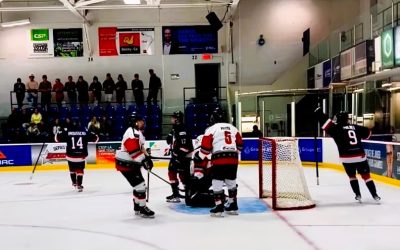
173, 199
232, 208
146, 212
217, 211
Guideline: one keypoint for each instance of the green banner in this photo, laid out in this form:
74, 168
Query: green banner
387, 49
40, 34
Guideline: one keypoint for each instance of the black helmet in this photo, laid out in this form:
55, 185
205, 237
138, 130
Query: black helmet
217, 116
134, 117
179, 116
342, 118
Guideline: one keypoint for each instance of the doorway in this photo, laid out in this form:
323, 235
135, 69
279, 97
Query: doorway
207, 82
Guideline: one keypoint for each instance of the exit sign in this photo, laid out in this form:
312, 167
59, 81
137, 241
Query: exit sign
206, 57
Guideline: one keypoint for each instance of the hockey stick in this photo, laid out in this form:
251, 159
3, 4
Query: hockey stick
316, 150
169, 158
164, 180
37, 160
148, 185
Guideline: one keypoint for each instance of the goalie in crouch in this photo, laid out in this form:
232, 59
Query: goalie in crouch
351, 152
130, 159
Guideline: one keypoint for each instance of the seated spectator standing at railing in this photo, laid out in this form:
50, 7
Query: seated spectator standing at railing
94, 125
14, 120
36, 117
154, 85
45, 89
105, 128
108, 87
70, 87
83, 87
59, 89
96, 87
19, 89
32, 87
33, 133
137, 87
26, 118
120, 88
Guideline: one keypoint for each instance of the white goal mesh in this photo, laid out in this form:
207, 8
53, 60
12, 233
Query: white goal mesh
281, 176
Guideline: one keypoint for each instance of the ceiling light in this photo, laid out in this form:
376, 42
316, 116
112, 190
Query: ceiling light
15, 23
132, 1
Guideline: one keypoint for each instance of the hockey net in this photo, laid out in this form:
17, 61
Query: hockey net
281, 176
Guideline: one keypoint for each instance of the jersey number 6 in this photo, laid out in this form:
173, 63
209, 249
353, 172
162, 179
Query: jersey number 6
228, 138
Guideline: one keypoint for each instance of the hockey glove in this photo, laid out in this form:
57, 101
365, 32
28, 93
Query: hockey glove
148, 163
198, 175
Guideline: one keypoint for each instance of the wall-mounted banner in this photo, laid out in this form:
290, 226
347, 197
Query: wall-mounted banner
346, 64
364, 57
41, 43
397, 46
378, 54
387, 49
68, 42
115, 41
318, 76
198, 39
336, 69
15, 155
327, 73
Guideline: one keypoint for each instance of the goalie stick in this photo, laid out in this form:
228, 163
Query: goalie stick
164, 180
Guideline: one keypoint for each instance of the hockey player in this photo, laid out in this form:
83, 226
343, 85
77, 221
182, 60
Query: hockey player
130, 159
224, 142
180, 145
351, 152
77, 143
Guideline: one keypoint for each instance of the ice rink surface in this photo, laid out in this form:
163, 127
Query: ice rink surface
48, 214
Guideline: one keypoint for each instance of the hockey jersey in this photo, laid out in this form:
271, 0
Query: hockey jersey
131, 147
348, 140
222, 141
180, 142
77, 143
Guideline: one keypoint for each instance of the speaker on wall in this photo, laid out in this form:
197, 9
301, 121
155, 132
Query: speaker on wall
214, 21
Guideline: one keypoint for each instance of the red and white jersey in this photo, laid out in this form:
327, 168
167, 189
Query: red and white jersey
221, 138
131, 146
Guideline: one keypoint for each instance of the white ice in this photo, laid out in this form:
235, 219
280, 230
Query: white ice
48, 215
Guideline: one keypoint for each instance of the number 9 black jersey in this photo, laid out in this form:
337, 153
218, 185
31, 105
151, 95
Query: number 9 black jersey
348, 140
77, 141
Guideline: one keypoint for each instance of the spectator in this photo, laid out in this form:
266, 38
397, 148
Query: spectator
59, 89
32, 87
96, 87
137, 87
56, 126
120, 88
94, 125
70, 87
36, 117
18, 136
68, 124
105, 128
83, 91
43, 131
19, 89
33, 133
26, 119
154, 85
108, 87
14, 120
256, 132
45, 89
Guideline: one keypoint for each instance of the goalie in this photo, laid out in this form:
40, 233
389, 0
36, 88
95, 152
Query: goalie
351, 152
198, 192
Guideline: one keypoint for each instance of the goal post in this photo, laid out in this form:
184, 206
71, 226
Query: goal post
281, 175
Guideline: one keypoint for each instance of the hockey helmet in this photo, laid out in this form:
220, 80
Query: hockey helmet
134, 119
342, 118
217, 116
178, 115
